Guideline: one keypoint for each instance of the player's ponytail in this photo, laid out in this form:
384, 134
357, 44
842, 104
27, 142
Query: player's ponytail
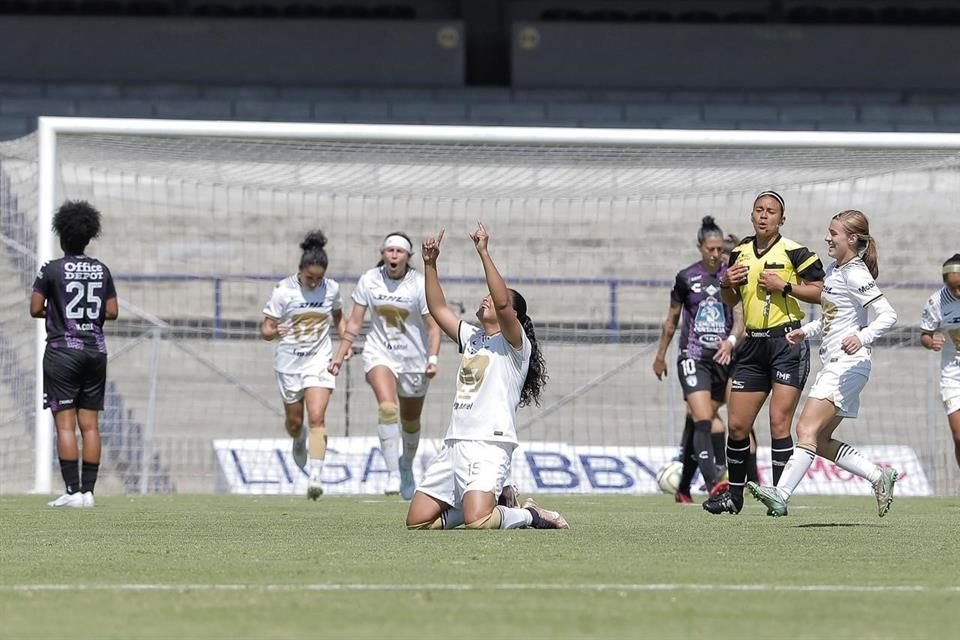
313, 250
855, 223
952, 265
537, 372
708, 228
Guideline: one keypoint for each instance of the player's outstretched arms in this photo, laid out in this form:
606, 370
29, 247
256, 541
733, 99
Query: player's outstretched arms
446, 319
503, 305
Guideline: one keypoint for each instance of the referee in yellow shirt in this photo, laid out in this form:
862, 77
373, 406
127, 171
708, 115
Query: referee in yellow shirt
769, 274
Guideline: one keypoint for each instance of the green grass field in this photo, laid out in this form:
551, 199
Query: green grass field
231, 567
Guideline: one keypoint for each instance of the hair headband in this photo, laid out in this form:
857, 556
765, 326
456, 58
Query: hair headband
398, 242
773, 194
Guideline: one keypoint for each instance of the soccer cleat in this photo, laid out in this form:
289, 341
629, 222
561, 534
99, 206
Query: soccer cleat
548, 519
393, 484
682, 498
723, 502
719, 488
883, 489
72, 500
407, 483
314, 486
88, 501
771, 498
509, 496
300, 449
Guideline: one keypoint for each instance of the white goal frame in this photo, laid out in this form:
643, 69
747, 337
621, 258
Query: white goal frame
49, 128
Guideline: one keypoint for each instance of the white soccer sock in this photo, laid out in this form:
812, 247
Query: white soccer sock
411, 441
390, 445
511, 518
316, 467
795, 469
849, 459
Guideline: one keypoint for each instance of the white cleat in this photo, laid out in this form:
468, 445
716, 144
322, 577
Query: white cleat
884, 490
393, 484
72, 500
88, 501
300, 449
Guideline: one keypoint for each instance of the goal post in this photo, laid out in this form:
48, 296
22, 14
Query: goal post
595, 222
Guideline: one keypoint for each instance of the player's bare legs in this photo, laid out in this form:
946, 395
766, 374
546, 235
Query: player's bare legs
90, 467
783, 405
954, 421
742, 410
426, 512
66, 423
410, 411
293, 423
384, 385
316, 400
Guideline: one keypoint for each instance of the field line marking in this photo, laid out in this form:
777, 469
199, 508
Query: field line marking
576, 587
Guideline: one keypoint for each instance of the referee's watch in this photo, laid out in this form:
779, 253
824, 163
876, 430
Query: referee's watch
787, 289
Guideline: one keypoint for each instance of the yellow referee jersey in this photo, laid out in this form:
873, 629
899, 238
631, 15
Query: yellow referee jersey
790, 261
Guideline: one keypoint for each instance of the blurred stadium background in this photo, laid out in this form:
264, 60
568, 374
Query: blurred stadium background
680, 64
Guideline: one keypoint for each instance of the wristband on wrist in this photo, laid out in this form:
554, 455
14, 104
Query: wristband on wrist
787, 289
732, 339
433, 360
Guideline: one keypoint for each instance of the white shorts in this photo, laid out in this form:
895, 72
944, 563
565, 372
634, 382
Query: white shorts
409, 384
467, 465
292, 385
841, 382
950, 393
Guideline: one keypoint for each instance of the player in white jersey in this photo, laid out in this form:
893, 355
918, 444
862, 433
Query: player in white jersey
399, 355
501, 370
299, 315
940, 327
848, 289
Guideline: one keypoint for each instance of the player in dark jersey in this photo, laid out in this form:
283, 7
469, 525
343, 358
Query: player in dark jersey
706, 345
75, 295
769, 274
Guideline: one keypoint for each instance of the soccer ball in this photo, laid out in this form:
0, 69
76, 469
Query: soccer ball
668, 478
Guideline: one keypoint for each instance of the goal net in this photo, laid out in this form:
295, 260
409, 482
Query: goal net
201, 219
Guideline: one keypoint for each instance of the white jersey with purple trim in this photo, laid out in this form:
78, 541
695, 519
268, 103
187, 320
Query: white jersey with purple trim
489, 383
397, 333
307, 346
942, 313
847, 291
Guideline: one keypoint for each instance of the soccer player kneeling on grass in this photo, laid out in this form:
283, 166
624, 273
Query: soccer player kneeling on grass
848, 289
501, 369
76, 295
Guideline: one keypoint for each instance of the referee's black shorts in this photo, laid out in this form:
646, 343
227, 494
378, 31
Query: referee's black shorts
766, 358
74, 379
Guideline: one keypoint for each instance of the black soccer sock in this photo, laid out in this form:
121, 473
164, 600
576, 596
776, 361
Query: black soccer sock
737, 452
687, 457
703, 448
719, 448
537, 522
780, 451
753, 475
88, 476
70, 471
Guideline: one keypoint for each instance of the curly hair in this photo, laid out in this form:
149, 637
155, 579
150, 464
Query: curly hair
76, 222
537, 373
313, 250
